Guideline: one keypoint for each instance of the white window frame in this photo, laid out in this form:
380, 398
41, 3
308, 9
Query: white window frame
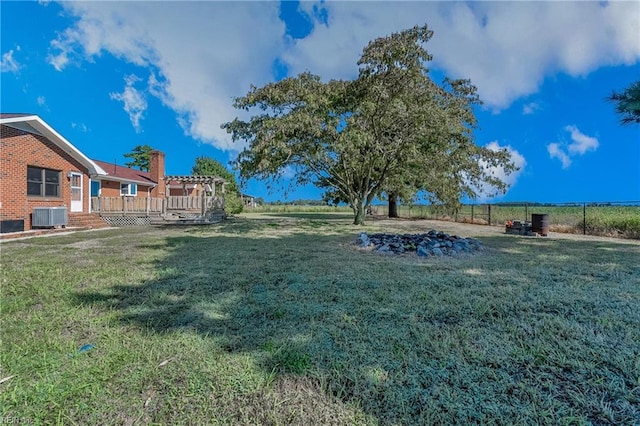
128, 189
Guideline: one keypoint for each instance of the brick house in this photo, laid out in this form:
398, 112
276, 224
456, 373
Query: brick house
40, 168
122, 181
129, 191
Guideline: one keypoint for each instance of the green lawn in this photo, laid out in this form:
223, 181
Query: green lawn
281, 320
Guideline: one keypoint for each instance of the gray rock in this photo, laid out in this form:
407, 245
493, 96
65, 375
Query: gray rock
430, 244
423, 251
460, 247
363, 240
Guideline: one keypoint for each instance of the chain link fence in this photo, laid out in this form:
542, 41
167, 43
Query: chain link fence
620, 219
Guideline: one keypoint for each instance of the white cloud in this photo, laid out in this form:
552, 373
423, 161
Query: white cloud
530, 108
555, 151
135, 102
63, 48
80, 126
580, 144
199, 55
487, 192
41, 100
505, 48
9, 63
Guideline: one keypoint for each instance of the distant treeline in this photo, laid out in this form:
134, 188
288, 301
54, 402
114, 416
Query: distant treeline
296, 203
588, 204
314, 203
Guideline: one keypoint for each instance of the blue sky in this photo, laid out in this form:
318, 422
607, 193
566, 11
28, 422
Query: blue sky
112, 75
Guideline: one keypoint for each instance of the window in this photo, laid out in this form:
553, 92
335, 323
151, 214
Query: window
128, 189
43, 182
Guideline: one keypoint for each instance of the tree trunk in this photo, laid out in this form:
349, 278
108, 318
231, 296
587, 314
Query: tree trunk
393, 205
359, 212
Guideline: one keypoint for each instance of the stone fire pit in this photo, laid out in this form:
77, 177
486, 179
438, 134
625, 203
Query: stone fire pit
433, 243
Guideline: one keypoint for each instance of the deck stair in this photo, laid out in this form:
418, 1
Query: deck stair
86, 220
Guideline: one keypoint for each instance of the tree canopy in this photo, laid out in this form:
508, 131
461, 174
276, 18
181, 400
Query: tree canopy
628, 103
140, 157
392, 129
207, 166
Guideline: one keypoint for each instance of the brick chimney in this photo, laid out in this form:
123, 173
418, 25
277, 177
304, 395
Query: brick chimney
156, 170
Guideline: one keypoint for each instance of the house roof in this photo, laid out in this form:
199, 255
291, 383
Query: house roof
125, 174
14, 115
203, 179
31, 123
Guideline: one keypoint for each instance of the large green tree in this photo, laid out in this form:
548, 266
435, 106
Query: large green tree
207, 166
628, 103
429, 127
139, 157
391, 130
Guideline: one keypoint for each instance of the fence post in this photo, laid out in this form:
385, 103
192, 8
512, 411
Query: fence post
584, 219
526, 211
489, 209
471, 213
124, 204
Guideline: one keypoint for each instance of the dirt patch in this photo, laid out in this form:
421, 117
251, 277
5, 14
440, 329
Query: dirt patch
412, 225
282, 404
87, 244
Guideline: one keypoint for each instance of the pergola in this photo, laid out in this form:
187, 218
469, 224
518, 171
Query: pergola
208, 182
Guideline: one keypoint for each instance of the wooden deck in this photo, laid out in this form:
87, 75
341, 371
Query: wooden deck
149, 206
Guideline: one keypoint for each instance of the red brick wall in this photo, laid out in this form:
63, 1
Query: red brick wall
156, 170
20, 149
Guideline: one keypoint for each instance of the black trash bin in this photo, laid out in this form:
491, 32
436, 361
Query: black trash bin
540, 224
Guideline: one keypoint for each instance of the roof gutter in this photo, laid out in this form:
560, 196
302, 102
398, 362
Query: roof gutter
43, 129
123, 180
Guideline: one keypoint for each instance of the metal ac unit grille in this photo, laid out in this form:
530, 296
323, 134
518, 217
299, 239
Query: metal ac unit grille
49, 216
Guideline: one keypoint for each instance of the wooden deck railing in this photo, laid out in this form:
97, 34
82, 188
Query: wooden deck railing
194, 203
148, 205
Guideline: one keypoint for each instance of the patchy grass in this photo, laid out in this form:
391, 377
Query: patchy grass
281, 320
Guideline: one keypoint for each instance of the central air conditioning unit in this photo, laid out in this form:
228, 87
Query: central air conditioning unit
49, 217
